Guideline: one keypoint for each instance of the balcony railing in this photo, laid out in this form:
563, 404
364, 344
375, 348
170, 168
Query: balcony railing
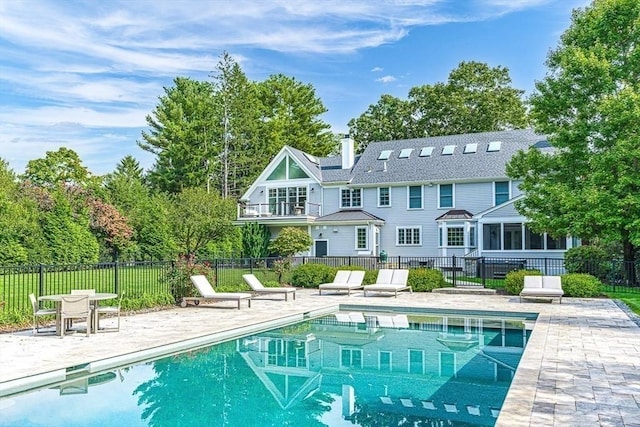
281, 209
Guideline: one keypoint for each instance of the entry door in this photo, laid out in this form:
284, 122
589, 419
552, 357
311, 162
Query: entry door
320, 248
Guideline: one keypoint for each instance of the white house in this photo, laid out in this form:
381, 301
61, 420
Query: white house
425, 197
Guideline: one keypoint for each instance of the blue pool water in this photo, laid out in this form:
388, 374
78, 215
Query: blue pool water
420, 368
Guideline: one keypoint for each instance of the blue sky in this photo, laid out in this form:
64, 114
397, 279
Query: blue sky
84, 74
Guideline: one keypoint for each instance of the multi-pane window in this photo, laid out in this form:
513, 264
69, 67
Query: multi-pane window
415, 197
384, 196
455, 236
362, 242
287, 169
408, 236
351, 358
501, 192
351, 198
445, 199
285, 200
516, 236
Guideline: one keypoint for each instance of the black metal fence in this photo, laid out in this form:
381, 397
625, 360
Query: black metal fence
148, 277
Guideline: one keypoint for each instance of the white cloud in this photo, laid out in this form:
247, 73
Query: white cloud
386, 79
85, 73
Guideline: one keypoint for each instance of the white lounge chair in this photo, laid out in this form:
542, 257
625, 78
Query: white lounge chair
209, 294
353, 317
257, 287
542, 287
395, 284
345, 280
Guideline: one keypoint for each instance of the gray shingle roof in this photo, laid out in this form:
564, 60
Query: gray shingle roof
437, 167
477, 165
349, 215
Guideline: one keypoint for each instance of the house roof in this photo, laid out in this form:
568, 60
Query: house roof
471, 158
455, 214
349, 215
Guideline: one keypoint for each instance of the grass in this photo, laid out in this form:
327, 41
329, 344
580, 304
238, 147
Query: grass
632, 300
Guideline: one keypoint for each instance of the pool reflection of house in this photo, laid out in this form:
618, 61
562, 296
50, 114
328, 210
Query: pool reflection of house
440, 367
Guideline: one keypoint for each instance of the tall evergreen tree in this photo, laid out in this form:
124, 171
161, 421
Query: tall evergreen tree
180, 135
291, 116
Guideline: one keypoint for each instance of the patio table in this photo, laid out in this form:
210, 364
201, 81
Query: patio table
94, 299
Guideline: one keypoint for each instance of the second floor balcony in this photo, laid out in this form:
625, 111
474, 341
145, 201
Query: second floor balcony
279, 210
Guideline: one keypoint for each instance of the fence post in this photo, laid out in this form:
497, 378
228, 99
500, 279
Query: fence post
546, 268
217, 272
116, 277
41, 279
483, 274
453, 269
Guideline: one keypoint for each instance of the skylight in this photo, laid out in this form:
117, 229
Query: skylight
385, 154
448, 150
426, 151
494, 146
405, 153
471, 148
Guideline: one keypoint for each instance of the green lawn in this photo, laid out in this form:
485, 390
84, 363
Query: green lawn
632, 300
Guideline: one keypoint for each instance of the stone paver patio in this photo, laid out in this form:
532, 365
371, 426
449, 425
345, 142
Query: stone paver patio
581, 366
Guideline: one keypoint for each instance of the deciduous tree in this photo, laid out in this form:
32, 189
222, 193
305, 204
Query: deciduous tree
589, 106
476, 98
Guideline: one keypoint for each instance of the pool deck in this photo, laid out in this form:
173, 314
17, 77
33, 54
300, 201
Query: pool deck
581, 366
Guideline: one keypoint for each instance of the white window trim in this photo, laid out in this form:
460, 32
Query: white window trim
351, 190
453, 196
421, 198
384, 206
409, 227
366, 234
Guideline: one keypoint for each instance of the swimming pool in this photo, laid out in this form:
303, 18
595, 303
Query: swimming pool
422, 367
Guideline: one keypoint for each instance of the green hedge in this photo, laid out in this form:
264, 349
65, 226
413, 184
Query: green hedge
514, 280
312, 275
426, 279
580, 285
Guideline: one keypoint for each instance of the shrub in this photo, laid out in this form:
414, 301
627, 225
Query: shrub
312, 275
514, 280
425, 279
592, 260
580, 285
179, 278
